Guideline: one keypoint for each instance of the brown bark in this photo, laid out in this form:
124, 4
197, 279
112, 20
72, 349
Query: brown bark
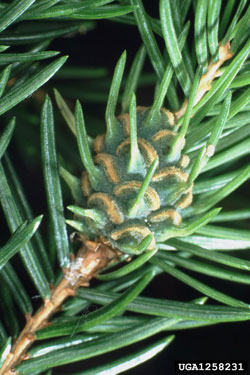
90, 260
206, 80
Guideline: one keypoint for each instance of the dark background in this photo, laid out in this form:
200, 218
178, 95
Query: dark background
102, 47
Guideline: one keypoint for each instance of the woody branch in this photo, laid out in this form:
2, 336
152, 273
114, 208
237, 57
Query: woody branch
90, 260
207, 78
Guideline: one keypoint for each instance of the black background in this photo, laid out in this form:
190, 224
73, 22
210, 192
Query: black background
102, 47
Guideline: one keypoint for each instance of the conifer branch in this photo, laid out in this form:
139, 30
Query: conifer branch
91, 259
207, 78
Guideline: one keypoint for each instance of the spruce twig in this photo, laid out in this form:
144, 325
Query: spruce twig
207, 78
91, 259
